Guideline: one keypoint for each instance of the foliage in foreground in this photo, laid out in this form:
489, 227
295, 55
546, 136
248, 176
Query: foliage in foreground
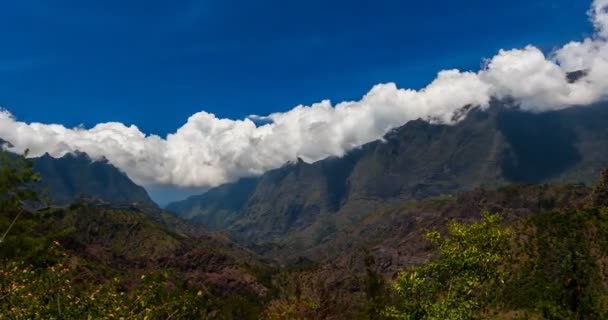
460, 282
552, 265
27, 292
290, 309
41, 280
17, 178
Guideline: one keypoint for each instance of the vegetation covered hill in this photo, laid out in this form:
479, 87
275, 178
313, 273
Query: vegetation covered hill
394, 239
101, 261
521, 251
301, 204
115, 250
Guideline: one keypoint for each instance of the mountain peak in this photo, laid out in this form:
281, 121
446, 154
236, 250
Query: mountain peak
5, 144
76, 176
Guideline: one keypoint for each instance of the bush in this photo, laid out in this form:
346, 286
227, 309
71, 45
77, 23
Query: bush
460, 283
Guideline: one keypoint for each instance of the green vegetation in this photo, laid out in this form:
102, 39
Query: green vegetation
41, 279
17, 178
52, 293
290, 309
549, 266
82, 262
559, 273
460, 283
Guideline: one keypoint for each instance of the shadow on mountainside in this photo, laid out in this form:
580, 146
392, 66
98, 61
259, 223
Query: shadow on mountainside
542, 145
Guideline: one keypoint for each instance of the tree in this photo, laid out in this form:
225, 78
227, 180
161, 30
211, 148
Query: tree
599, 196
459, 283
17, 187
375, 290
17, 177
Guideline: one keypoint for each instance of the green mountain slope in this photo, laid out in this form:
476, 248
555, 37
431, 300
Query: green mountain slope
300, 204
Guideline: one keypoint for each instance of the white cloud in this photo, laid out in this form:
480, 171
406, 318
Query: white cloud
599, 16
207, 151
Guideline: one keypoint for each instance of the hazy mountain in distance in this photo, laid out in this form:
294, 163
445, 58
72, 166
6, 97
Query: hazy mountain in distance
166, 194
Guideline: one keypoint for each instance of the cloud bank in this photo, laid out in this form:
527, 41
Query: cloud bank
207, 151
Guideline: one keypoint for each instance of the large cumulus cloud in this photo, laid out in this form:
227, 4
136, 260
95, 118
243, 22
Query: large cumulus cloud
207, 151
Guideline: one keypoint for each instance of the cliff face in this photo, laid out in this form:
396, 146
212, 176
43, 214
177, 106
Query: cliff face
300, 204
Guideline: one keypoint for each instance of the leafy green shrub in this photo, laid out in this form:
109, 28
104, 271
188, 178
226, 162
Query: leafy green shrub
290, 309
460, 283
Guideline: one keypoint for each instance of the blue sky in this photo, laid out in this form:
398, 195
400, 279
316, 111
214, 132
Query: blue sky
154, 63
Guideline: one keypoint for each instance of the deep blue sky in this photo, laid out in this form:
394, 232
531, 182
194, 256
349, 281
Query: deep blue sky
154, 63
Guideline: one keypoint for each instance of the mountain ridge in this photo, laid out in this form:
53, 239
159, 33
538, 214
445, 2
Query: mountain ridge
488, 148
75, 177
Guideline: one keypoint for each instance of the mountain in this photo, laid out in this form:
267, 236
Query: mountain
121, 246
101, 245
342, 228
102, 242
392, 239
5, 144
76, 176
301, 204
128, 240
